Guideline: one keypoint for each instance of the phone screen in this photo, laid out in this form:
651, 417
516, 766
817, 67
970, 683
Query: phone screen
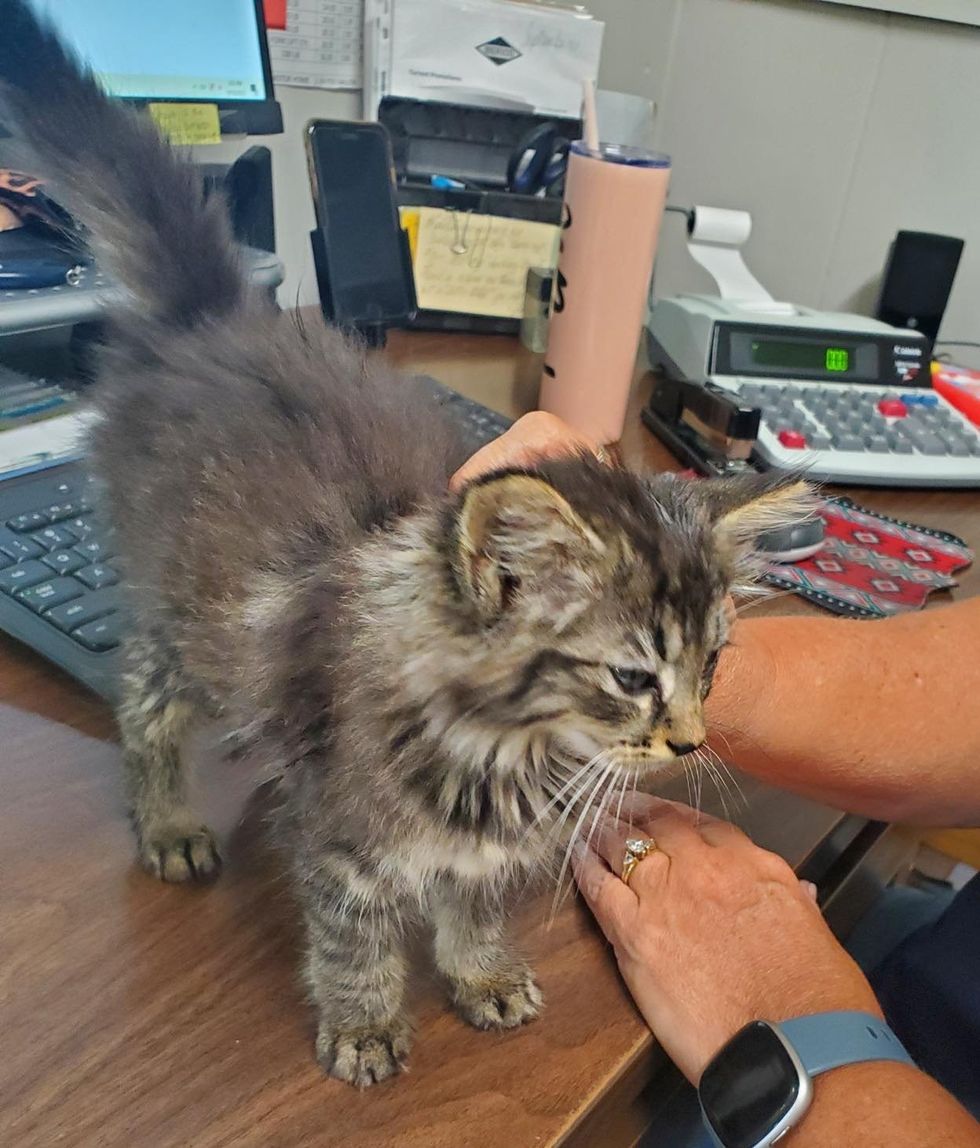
358, 218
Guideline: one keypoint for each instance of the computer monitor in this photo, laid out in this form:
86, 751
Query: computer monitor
190, 51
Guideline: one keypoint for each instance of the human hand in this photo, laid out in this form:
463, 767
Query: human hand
533, 437
712, 932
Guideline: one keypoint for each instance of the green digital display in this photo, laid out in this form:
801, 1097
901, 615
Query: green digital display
815, 358
837, 359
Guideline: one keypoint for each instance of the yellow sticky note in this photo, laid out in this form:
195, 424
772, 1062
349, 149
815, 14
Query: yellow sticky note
477, 264
185, 124
409, 217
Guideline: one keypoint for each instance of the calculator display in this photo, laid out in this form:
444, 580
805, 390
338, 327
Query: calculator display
809, 356
804, 356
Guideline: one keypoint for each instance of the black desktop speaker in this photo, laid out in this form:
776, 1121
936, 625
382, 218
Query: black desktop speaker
918, 279
247, 187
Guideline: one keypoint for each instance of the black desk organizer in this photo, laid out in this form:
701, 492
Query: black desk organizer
472, 145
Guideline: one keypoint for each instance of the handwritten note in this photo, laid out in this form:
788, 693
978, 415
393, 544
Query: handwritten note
477, 264
185, 124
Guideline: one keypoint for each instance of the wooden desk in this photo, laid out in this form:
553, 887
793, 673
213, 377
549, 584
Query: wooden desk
133, 1015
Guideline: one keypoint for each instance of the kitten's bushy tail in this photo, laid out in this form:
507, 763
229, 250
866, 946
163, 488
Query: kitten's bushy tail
142, 203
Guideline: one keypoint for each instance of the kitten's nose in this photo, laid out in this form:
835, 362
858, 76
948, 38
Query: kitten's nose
682, 748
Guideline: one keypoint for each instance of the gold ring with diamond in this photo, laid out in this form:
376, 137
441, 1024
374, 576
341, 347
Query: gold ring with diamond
636, 849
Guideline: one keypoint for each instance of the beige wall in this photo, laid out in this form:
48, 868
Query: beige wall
834, 126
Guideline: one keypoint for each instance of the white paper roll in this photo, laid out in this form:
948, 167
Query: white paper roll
715, 236
717, 225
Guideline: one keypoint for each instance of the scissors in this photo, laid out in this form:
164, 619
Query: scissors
539, 161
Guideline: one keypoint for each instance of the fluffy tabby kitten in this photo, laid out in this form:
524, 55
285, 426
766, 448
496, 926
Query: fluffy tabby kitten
435, 678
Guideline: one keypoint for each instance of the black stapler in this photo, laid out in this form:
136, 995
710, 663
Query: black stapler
705, 426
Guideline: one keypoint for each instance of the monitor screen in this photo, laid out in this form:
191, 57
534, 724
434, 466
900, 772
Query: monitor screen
206, 50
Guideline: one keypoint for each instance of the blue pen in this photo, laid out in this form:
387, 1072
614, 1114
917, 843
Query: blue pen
444, 183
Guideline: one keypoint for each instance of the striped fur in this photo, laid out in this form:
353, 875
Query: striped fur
431, 677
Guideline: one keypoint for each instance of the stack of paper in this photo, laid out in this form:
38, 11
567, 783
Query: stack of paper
511, 54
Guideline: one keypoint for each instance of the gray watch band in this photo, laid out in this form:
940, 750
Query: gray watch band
832, 1039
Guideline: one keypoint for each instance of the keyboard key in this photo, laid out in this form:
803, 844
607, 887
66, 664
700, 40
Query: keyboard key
93, 549
64, 561
893, 408
33, 520
101, 635
848, 442
55, 537
792, 439
878, 444
19, 548
61, 511
22, 575
97, 576
958, 449
819, 442
51, 593
929, 444
80, 527
78, 612
920, 399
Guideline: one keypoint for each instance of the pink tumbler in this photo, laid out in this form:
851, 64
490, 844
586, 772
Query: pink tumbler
614, 202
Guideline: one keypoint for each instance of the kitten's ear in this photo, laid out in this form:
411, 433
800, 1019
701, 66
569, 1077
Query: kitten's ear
743, 508
516, 534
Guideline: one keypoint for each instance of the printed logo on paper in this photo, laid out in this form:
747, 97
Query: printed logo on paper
498, 51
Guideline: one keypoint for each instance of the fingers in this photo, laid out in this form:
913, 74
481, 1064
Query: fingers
610, 900
610, 843
535, 436
641, 808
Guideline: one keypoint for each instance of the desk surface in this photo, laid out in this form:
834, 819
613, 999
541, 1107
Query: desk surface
136, 1014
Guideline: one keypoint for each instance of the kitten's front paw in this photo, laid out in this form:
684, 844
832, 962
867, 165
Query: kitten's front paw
363, 1056
505, 1001
180, 854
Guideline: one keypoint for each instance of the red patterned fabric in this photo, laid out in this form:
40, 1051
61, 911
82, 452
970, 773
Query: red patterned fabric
871, 566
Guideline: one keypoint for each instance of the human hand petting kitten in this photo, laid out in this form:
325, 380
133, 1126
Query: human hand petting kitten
711, 932
534, 436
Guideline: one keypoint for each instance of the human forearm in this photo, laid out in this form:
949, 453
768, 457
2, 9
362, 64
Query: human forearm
883, 1105
877, 717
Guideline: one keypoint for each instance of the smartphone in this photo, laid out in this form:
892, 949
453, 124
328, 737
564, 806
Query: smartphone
361, 244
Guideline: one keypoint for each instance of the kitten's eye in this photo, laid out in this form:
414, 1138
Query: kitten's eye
634, 681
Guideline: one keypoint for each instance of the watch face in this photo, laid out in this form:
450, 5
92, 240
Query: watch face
749, 1086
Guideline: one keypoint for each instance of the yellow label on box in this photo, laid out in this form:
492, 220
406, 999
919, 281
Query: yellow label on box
185, 124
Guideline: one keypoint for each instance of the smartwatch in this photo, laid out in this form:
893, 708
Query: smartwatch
760, 1084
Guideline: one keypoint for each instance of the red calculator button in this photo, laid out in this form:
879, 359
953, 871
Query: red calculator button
792, 440
893, 408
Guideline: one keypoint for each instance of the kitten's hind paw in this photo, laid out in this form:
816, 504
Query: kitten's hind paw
179, 855
505, 1001
363, 1056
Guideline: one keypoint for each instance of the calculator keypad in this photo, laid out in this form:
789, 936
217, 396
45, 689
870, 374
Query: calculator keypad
891, 437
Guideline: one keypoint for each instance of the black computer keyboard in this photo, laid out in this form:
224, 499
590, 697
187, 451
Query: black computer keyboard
58, 586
